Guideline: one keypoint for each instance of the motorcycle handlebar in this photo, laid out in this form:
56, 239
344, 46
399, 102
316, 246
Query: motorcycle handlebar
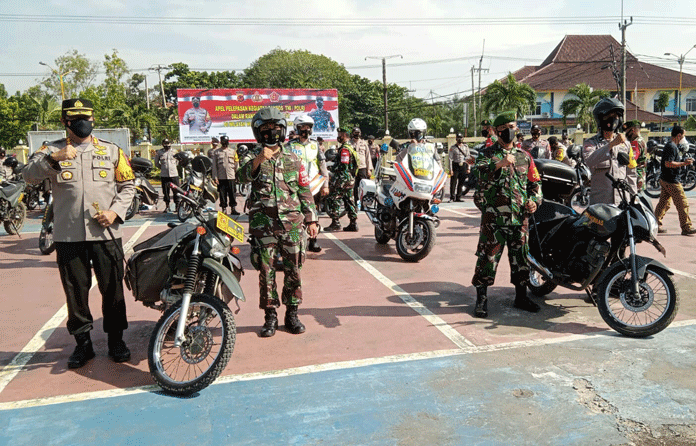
182, 195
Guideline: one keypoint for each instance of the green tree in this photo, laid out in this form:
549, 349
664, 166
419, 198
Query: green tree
662, 104
582, 104
18, 112
82, 74
508, 95
48, 111
690, 123
181, 76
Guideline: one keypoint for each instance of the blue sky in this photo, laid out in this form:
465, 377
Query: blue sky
428, 38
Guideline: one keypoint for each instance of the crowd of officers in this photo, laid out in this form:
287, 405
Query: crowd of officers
93, 187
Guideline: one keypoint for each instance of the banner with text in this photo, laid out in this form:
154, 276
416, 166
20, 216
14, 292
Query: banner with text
204, 114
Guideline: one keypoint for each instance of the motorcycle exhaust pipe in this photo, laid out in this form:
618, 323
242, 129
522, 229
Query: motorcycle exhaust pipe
539, 267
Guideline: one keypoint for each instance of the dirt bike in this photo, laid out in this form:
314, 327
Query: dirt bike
190, 270
13, 212
635, 295
401, 202
145, 193
197, 186
46, 243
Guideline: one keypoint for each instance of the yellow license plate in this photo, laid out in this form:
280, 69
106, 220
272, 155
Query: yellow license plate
229, 226
194, 187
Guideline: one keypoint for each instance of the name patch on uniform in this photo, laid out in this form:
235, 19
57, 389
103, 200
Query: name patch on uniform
66, 175
102, 158
345, 156
65, 164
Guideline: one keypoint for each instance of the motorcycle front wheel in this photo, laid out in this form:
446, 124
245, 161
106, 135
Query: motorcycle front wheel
209, 335
538, 285
689, 182
183, 211
33, 201
416, 248
46, 245
15, 222
637, 316
133, 208
652, 186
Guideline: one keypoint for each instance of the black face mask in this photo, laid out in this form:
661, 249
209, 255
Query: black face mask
80, 127
611, 124
536, 135
272, 137
484, 133
196, 104
303, 133
507, 135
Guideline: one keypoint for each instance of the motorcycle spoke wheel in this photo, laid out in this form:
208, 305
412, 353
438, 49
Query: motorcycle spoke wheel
645, 314
690, 181
538, 285
46, 245
652, 186
15, 221
183, 211
209, 339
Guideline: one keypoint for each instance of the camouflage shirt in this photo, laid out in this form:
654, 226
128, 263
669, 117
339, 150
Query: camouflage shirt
502, 193
345, 167
280, 200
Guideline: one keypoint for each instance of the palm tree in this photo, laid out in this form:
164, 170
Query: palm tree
49, 110
582, 104
662, 104
509, 95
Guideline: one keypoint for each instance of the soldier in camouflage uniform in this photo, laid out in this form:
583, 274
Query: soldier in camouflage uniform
342, 182
509, 190
635, 171
280, 205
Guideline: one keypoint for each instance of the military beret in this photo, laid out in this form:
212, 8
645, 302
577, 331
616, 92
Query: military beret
504, 118
341, 130
77, 107
485, 123
633, 123
214, 140
459, 135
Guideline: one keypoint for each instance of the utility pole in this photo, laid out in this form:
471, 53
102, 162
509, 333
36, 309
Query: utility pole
479, 73
681, 60
622, 26
384, 81
158, 69
147, 93
473, 96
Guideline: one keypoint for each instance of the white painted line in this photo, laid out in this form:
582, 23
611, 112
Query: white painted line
682, 273
342, 365
472, 212
452, 334
10, 371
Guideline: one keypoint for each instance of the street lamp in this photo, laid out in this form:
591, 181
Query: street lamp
60, 76
680, 59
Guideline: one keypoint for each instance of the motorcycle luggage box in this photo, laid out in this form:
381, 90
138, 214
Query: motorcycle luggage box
141, 165
558, 176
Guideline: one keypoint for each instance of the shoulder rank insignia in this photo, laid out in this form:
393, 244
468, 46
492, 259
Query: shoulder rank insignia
65, 164
100, 152
66, 175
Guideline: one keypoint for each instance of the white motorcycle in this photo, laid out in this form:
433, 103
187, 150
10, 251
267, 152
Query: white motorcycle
401, 203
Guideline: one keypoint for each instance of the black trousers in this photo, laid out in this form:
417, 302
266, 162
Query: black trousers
362, 173
226, 189
76, 275
166, 190
457, 180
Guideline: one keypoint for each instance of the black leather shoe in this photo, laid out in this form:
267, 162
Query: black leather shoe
352, 227
271, 325
118, 352
334, 226
481, 309
292, 323
313, 245
83, 352
523, 302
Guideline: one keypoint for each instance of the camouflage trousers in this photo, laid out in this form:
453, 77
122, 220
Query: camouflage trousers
492, 241
333, 203
292, 253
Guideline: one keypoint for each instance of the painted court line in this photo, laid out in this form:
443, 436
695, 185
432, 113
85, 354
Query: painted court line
452, 334
342, 365
472, 212
10, 371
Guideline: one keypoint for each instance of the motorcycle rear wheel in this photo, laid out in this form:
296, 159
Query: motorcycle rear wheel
33, 201
133, 208
381, 237
649, 313
17, 216
416, 248
183, 211
210, 337
538, 285
46, 244
689, 182
652, 186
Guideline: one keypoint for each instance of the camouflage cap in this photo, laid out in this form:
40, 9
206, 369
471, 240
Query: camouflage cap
486, 123
77, 107
634, 123
504, 118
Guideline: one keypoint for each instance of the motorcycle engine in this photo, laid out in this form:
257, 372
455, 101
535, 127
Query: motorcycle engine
386, 217
584, 265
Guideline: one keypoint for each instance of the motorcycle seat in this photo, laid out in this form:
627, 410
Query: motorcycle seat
9, 190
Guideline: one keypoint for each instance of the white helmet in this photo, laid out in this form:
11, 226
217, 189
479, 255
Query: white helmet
303, 120
417, 128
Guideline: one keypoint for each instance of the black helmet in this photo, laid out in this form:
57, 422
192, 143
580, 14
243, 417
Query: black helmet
603, 108
224, 140
166, 142
269, 138
10, 162
536, 127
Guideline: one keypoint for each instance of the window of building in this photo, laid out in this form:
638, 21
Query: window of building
656, 108
537, 110
691, 104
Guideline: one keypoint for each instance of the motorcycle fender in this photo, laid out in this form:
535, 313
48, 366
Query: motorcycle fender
435, 220
641, 264
226, 276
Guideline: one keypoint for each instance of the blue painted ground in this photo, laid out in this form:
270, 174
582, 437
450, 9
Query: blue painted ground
604, 390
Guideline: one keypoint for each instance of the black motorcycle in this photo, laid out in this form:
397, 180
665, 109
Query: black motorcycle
198, 186
687, 174
145, 193
46, 243
190, 270
635, 295
581, 193
13, 211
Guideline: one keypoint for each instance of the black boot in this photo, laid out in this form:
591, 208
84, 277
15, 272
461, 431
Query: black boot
352, 227
481, 302
523, 302
292, 323
334, 226
118, 352
83, 352
313, 245
234, 212
269, 328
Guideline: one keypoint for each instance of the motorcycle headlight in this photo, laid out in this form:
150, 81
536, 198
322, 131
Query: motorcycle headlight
652, 224
426, 189
198, 182
138, 181
219, 249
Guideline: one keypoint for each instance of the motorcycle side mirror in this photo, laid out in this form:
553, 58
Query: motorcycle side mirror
623, 159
